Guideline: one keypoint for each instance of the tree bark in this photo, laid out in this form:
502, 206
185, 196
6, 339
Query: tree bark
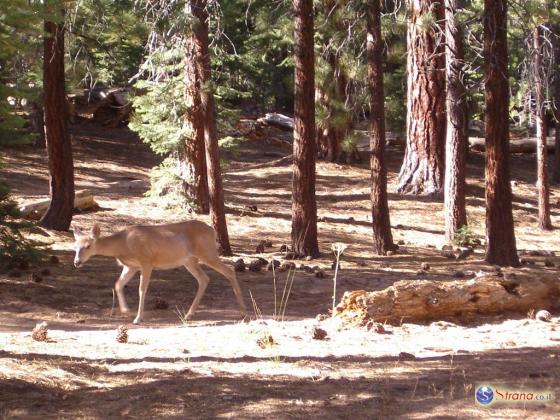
304, 206
500, 236
459, 300
59, 147
216, 191
192, 154
556, 103
456, 140
382, 237
422, 171
543, 188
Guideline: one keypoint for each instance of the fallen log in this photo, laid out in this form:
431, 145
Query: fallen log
515, 146
280, 121
83, 200
420, 301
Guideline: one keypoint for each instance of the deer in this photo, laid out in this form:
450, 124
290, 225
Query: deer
146, 248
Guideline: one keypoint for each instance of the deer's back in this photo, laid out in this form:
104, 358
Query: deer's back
167, 246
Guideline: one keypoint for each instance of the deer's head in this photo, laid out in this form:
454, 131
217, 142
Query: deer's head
85, 244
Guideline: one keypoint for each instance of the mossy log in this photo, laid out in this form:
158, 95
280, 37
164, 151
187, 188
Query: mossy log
420, 301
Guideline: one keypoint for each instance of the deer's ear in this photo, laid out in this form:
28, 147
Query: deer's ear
77, 232
96, 231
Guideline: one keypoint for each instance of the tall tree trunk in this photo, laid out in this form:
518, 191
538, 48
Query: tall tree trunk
455, 151
543, 189
216, 191
500, 236
304, 206
422, 171
556, 103
192, 154
382, 237
59, 147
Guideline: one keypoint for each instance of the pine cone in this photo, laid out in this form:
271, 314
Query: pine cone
122, 334
40, 332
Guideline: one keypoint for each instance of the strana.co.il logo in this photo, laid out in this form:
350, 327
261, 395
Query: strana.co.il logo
486, 395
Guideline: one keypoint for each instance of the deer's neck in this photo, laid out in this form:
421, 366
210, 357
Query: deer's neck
110, 246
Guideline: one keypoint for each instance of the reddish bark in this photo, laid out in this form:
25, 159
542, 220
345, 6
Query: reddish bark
543, 188
500, 235
382, 237
216, 191
304, 206
455, 149
192, 155
556, 104
423, 167
59, 147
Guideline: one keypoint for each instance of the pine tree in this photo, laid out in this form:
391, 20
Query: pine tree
422, 171
382, 237
59, 148
304, 206
543, 188
456, 139
500, 236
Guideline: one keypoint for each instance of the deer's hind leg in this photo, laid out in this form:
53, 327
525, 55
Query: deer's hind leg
229, 274
202, 278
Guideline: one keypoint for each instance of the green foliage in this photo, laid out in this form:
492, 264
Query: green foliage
166, 187
19, 28
14, 247
465, 237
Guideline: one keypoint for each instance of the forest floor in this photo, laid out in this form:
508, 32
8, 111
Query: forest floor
217, 366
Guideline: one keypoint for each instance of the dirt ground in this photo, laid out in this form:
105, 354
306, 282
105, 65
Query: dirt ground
217, 366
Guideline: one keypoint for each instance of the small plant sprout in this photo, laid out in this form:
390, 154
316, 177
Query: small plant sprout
338, 249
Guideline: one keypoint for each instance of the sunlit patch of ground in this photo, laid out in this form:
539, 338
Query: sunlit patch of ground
214, 366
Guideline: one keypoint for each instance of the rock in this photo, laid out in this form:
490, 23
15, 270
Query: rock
523, 261
252, 208
284, 248
160, 304
549, 263
36, 278
448, 254
239, 265
390, 253
260, 248
308, 269
287, 265
14, 272
45, 272
256, 265
320, 274
447, 247
400, 242
543, 315
459, 274
267, 243
53, 259
308, 258
273, 264
425, 266
319, 333
406, 356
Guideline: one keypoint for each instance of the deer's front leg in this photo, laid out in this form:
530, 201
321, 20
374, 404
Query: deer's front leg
142, 290
125, 277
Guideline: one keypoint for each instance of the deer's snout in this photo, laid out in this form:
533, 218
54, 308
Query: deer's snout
78, 263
